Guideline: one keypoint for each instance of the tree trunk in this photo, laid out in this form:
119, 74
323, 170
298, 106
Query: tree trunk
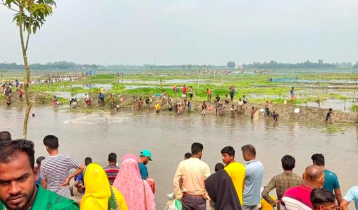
27, 78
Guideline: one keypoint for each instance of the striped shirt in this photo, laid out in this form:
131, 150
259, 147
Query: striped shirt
111, 171
55, 169
297, 198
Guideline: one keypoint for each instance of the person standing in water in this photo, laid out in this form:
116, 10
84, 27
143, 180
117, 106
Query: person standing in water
253, 111
203, 108
275, 116
267, 110
191, 92
157, 107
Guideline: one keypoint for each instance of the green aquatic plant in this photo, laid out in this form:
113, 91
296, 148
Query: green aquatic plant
333, 129
354, 108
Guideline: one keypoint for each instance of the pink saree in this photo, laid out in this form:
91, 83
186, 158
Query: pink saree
136, 192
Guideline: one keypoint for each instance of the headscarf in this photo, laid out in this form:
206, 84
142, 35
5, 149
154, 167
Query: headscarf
136, 192
222, 191
99, 194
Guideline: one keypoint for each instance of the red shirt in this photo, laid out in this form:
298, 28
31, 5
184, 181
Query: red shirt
184, 89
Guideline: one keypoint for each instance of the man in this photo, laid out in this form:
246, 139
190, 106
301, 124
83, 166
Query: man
232, 93
208, 94
352, 195
193, 172
8, 92
5, 135
18, 190
101, 99
55, 168
283, 181
331, 182
112, 168
38, 167
329, 116
322, 199
80, 183
184, 89
254, 171
234, 169
298, 198
144, 158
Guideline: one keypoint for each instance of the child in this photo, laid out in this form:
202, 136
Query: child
219, 166
275, 116
157, 108
233, 111
252, 113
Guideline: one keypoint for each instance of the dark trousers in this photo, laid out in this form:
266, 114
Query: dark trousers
192, 202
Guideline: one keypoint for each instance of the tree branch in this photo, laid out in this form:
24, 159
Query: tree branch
9, 7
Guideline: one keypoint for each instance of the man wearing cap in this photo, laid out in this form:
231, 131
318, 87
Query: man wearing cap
144, 158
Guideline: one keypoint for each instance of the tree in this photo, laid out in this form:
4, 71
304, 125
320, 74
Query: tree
29, 16
231, 64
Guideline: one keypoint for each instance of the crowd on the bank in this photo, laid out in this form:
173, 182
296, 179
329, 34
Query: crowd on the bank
233, 186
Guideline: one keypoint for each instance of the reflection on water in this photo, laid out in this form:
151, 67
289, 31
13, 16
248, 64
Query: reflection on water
169, 136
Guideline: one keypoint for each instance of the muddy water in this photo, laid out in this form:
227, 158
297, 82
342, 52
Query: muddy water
168, 137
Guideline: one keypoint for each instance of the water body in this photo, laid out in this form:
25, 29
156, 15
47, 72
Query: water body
335, 104
169, 136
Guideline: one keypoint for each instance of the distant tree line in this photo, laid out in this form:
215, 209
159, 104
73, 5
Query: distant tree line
307, 65
59, 65
65, 65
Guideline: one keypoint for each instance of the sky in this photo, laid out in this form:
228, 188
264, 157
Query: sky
211, 32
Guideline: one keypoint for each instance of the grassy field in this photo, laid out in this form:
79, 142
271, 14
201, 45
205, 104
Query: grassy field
256, 87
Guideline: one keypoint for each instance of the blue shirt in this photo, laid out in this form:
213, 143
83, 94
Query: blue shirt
80, 178
254, 171
330, 181
143, 170
352, 195
38, 181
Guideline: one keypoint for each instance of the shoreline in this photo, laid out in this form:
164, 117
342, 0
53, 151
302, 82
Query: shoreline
123, 102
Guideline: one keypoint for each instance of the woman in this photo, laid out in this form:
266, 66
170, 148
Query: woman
222, 191
99, 193
136, 192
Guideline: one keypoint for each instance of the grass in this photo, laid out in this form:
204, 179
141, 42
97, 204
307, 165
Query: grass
333, 129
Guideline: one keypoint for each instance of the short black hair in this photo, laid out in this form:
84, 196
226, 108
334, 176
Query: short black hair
320, 196
330, 109
228, 150
288, 162
196, 148
5, 135
219, 166
187, 155
10, 149
112, 157
51, 141
249, 149
318, 159
88, 160
39, 160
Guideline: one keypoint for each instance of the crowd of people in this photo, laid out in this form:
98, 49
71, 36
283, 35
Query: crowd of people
233, 186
